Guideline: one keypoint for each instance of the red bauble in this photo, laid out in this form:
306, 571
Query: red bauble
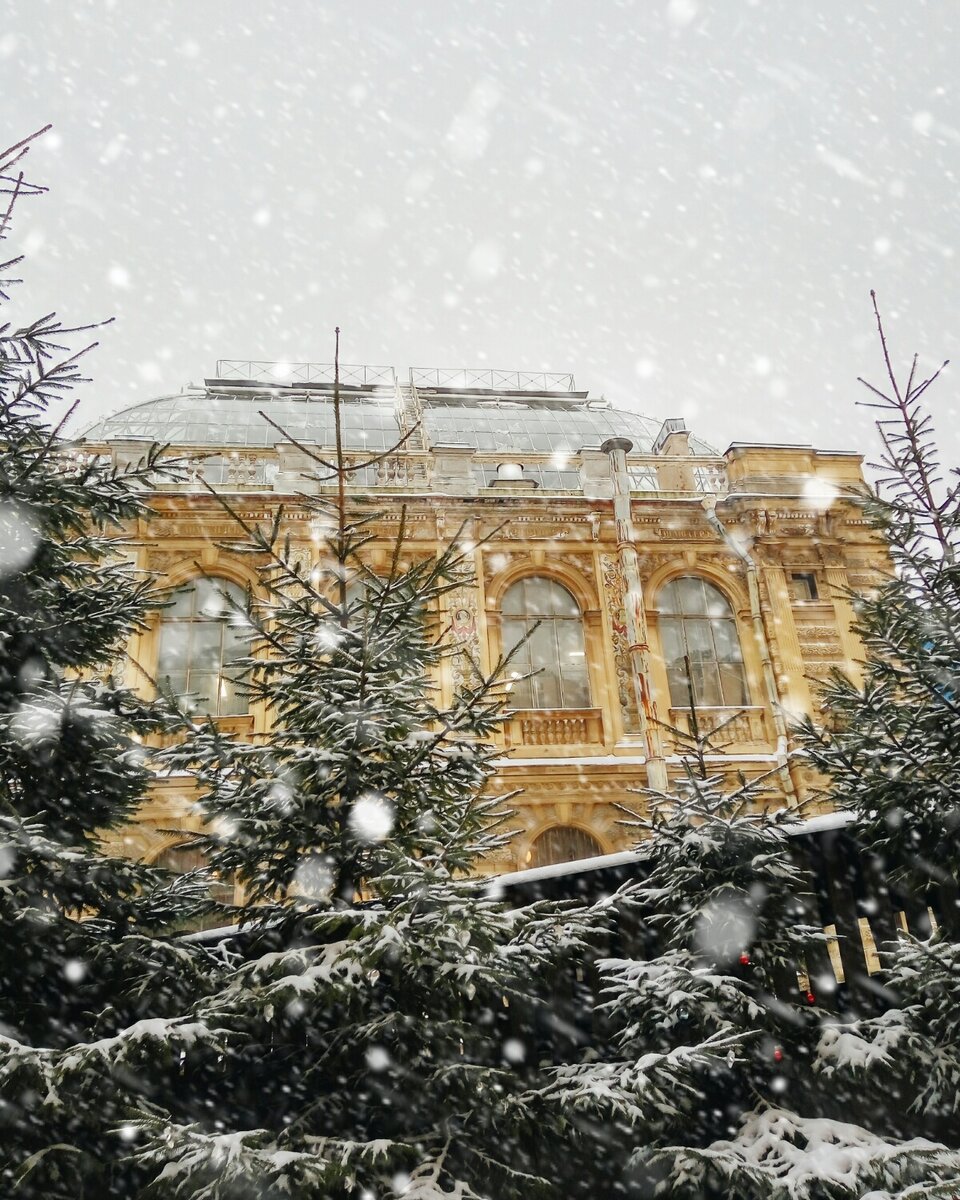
811, 998
777, 1054
744, 959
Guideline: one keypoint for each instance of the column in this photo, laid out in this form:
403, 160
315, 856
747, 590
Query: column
617, 448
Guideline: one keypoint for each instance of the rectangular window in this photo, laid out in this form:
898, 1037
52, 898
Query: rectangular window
803, 586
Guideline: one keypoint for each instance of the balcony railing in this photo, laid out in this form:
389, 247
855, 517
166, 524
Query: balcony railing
235, 470
555, 727
733, 726
239, 727
260, 469
661, 474
710, 477
403, 471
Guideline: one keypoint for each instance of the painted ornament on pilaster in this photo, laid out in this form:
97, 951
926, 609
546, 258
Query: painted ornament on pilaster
465, 635
615, 588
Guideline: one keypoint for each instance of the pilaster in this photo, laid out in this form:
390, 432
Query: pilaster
793, 686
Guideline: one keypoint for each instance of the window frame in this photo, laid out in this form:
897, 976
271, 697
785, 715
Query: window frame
535, 630
729, 685
807, 579
576, 832
238, 704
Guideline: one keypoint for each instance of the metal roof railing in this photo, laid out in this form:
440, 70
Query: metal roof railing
291, 373
492, 379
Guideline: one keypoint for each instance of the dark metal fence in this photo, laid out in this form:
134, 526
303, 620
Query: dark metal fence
845, 891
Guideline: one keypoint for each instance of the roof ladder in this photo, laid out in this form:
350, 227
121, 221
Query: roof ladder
409, 414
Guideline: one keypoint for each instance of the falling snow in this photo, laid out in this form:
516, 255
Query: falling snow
657, 197
685, 204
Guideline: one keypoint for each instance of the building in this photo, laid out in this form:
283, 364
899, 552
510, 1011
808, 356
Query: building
659, 570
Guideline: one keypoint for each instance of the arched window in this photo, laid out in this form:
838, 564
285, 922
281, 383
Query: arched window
701, 646
548, 613
560, 844
202, 637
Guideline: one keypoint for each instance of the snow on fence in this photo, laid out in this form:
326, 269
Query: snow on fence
849, 896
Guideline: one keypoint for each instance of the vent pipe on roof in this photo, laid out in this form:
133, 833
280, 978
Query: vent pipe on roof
510, 474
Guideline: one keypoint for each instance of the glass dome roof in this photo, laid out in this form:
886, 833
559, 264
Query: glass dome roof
508, 424
230, 419
536, 429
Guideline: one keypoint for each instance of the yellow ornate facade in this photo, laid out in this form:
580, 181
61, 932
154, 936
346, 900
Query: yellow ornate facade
659, 544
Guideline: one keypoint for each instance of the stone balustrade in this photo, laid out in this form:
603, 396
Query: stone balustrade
555, 727
733, 726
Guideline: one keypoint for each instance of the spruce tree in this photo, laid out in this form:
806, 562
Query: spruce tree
387, 1011
704, 1022
891, 748
724, 1071
890, 751
90, 990
734, 1003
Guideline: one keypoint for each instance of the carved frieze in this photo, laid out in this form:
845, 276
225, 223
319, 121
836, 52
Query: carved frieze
204, 530
582, 563
865, 581
545, 789
686, 533
832, 649
496, 561
650, 563
161, 561
532, 529
817, 633
820, 647
301, 557
822, 669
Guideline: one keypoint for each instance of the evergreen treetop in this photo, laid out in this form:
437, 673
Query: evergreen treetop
890, 747
389, 1010
90, 991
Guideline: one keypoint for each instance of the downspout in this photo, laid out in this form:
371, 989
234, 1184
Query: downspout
760, 636
617, 449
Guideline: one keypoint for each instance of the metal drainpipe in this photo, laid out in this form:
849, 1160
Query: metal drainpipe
617, 448
760, 634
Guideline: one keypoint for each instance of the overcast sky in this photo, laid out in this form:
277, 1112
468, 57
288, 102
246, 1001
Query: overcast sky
684, 203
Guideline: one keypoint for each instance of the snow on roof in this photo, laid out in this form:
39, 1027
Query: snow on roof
578, 866
229, 415
600, 862
834, 820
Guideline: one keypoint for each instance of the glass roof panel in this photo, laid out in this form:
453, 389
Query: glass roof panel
233, 419
197, 419
536, 429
